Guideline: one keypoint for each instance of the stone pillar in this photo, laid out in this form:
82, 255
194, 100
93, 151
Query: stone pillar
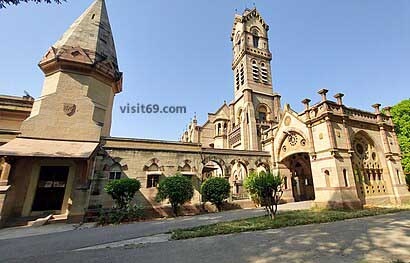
323, 93
306, 103
393, 132
5, 171
347, 135
250, 121
309, 126
383, 132
339, 97
4, 187
277, 110
331, 134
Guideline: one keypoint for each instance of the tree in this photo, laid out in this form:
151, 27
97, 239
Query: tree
265, 190
177, 189
16, 2
123, 191
401, 119
408, 181
215, 190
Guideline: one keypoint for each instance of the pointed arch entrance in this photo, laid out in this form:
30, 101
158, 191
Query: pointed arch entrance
300, 176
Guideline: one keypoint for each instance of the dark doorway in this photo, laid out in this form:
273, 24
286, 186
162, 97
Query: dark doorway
302, 181
50, 188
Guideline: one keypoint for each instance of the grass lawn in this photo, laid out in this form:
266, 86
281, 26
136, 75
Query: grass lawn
283, 219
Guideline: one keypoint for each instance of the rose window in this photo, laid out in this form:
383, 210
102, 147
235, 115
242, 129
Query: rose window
293, 139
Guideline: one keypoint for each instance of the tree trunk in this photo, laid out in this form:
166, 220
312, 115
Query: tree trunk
175, 209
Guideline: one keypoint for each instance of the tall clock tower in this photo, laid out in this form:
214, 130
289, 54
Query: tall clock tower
255, 107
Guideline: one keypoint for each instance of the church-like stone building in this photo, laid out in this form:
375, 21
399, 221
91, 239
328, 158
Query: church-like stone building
58, 160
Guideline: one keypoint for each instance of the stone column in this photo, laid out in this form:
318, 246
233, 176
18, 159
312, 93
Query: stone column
383, 132
339, 97
309, 126
5, 171
331, 134
323, 93
250, 121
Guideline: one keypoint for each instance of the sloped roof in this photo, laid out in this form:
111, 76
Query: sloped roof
24, 147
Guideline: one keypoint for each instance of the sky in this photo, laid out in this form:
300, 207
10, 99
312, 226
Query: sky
179, 53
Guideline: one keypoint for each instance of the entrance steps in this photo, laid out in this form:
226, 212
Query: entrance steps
33, 221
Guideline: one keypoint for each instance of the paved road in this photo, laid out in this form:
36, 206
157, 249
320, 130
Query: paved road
61, 242
375, 239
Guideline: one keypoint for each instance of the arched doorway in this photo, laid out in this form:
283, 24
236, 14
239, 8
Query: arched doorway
239, 173
300, 172
212, 169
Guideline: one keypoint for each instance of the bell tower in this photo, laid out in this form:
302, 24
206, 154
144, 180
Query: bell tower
256, 107
81, 79
251, 55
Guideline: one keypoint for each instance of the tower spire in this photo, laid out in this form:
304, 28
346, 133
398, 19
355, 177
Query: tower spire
89, 40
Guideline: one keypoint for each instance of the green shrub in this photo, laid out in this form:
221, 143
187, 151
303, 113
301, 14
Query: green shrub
177, 189
116, 216
408, 181
265, 190
215, 190
122, 191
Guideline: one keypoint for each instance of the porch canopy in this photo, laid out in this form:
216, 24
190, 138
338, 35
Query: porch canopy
25, 147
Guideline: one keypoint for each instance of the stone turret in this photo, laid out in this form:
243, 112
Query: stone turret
81, 80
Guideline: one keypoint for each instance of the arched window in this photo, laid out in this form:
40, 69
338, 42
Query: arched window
285, 182
264, 73
237, 79
262, 113
345, 177
115, 172
153, 175
255, 70
238, 40
327, 177
242, 75
219, 129
239, 117
255, 37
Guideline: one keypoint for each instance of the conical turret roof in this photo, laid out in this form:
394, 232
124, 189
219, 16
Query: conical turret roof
89, 40
92, 32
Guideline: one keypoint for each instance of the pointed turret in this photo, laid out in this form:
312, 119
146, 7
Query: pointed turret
88, 41
81, 80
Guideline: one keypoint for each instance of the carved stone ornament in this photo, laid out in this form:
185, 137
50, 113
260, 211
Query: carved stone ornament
69, 109
288, 120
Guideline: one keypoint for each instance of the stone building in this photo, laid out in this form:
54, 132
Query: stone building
58, 159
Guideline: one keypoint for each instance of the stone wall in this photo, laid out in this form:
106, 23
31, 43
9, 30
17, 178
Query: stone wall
136, 157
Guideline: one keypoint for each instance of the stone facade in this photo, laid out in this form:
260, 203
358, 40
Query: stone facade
330, 153
13, 111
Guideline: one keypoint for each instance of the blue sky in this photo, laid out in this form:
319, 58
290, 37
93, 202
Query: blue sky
179, 53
